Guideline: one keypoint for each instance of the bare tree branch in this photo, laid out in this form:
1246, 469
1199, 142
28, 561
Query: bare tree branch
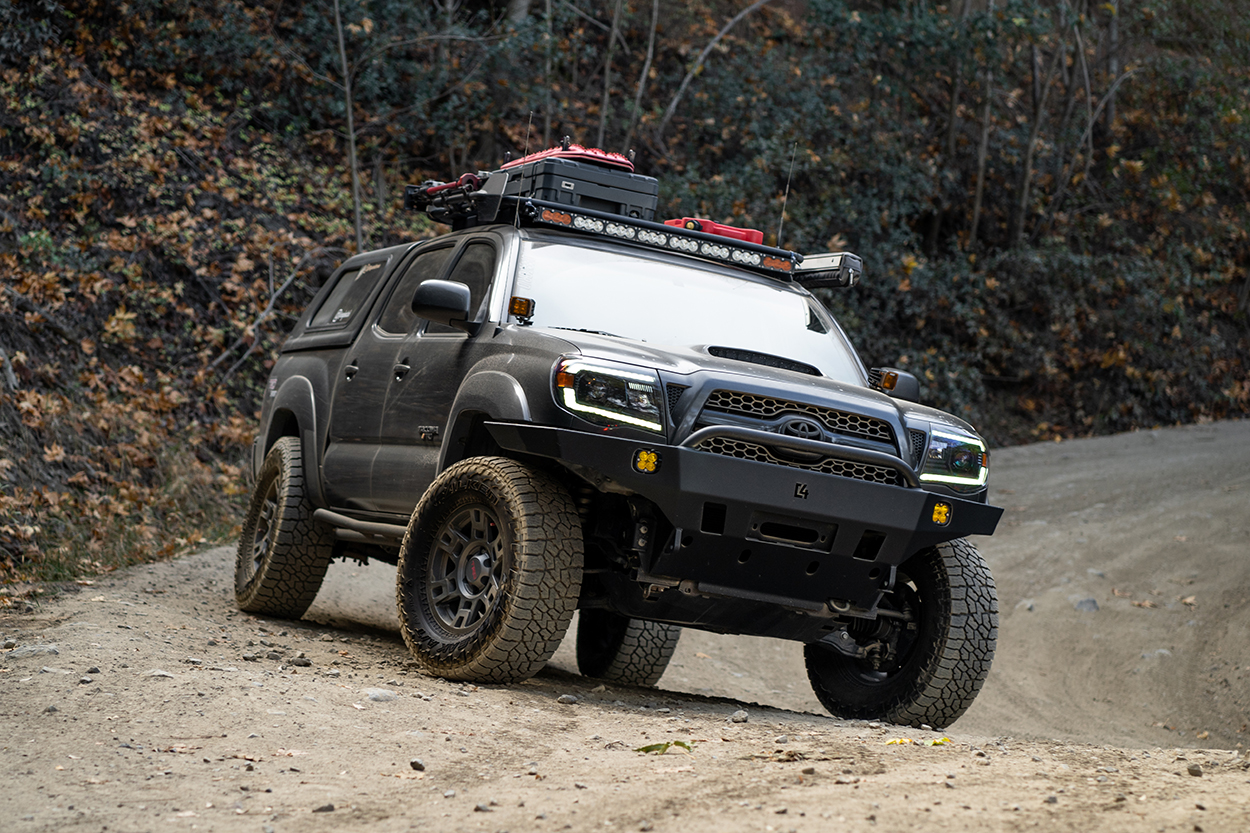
351, 128
607, 73
642, 77
273, 301
1026, 176
26, 305
1056, 202
698, 65
984, 149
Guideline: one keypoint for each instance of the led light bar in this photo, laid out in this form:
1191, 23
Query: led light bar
776, 262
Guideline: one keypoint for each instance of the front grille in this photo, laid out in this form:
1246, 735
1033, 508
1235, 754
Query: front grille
918, 442
765, 407
829, 465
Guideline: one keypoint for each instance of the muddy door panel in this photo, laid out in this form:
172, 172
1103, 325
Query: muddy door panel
427, 374
356, 420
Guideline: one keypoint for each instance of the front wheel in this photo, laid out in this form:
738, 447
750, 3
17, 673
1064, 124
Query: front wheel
941, 643
489, 572
283, 552
618, 649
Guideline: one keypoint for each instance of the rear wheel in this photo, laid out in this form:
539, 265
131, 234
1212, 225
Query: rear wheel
283, 552
622, 650
489, 572
940, 649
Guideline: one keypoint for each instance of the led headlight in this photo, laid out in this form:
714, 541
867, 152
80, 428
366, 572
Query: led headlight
610, 394
957, 460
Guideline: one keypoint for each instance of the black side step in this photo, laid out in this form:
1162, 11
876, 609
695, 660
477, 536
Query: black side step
350, 529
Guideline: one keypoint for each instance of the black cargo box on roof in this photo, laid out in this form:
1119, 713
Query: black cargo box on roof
584, 185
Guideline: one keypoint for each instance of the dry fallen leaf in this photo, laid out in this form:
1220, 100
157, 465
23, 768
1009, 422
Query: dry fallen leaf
1146, 603
1121, 593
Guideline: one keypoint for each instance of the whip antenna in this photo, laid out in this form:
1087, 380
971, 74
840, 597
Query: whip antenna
521, 169
782, 223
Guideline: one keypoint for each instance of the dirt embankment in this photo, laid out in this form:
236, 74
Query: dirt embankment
145, 701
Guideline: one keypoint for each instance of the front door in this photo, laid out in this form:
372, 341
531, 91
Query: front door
430, 366
360, 391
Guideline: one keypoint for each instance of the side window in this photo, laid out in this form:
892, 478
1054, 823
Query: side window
475, 269
398, 317
347, 297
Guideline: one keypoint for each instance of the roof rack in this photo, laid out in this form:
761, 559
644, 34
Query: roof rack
568, 173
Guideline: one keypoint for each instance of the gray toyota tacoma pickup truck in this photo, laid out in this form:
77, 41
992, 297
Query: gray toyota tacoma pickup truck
563, 405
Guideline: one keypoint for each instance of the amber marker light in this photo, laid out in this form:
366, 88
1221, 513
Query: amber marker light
646, 461
521, 307
557, 217
941, 513
564, 379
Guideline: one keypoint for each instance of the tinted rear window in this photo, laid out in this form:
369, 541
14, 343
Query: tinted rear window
347, 299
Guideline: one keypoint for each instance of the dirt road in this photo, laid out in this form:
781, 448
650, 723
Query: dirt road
1118, 699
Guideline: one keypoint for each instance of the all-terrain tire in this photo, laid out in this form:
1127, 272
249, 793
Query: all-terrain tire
618, 649
489, 572
283, 552
942, 663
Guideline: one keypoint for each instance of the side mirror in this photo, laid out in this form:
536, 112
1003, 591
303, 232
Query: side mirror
446, 303
894, 382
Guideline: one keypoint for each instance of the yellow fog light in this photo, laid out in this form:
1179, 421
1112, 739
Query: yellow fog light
646, 461
941, 513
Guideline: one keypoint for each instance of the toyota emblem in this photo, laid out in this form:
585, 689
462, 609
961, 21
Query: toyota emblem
807, 429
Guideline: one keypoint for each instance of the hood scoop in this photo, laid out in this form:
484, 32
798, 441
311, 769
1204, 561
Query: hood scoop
765, 359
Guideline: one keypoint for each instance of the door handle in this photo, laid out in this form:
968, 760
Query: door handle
350, 371
401, 370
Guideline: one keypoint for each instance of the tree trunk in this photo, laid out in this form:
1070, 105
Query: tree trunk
642, 77
952, 127
1113, 57
607, 74
984, 148
518, 10
351, 129
1026, 176
547, 80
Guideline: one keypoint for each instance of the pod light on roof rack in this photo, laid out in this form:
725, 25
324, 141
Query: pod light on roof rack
677, 240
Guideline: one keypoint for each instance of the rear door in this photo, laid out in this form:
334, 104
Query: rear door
429, 367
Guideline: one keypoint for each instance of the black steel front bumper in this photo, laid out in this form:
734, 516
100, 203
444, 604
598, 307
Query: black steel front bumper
760, 532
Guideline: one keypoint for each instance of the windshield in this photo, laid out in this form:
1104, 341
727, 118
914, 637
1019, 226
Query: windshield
639, 297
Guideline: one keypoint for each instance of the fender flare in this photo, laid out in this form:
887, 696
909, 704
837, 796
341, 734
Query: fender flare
492, 394
296, 397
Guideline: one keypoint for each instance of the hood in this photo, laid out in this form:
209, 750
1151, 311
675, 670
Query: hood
694, 368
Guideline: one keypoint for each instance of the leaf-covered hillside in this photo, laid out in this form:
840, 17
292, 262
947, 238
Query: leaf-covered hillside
1052, 198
